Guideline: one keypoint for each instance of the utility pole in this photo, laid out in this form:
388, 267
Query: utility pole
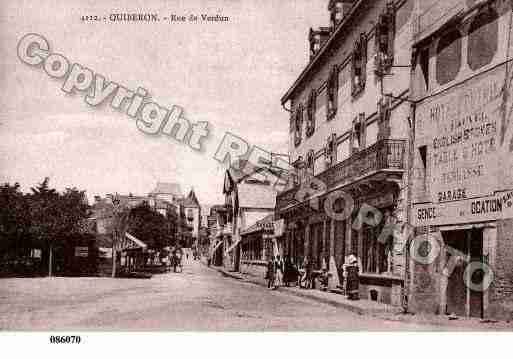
50, 259
115, 202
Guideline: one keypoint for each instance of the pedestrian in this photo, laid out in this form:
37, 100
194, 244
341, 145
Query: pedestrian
279, 271
351, 273
308, 273
287, 271
270, 273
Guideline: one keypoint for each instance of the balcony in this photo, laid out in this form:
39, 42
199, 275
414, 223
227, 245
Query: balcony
383, 156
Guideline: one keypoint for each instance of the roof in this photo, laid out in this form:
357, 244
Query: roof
329, 44
136, 241
256, 195
167, 188
191, 200
265, 223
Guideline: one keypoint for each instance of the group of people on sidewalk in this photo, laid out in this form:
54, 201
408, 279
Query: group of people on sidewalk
281, 272
284, 272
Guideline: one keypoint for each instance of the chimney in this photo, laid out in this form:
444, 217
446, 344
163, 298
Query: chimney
317, 38
338, 10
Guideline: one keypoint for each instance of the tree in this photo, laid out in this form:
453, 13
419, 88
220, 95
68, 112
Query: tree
56, 217
149, 226
14, 220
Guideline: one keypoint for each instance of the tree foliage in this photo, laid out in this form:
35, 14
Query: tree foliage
40, 217
149, 226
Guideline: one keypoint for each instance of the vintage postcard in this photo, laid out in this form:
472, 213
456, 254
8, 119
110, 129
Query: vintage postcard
279, 166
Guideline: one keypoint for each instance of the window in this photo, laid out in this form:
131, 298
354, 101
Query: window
359, 62
331, 150
298, 125
483, 38
371, 133
384, 38
358, 133
423, 169
310, 113
384, 114
338, 9
424, 66
332, 93
319, 165
310, 158
448, 60
343, 150
374, 252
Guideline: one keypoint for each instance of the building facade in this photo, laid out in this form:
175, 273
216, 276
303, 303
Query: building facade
193, 215
462, 162
248, 199
348, 144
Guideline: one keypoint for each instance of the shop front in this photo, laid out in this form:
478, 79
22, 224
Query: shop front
351, 223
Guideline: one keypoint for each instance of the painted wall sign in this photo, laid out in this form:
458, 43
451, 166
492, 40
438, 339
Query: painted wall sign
81, 251
462, 131
468, 134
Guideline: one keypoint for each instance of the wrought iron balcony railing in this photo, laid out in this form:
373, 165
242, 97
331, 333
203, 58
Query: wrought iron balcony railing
383, 155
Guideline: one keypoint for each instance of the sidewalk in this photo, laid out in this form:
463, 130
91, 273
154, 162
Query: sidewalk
375, 309
362, 307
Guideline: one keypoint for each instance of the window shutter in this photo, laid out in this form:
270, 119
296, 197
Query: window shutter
359, 61
310, 161
363, 57
311, 113
299, 125
390, 18
334, 76
332, 93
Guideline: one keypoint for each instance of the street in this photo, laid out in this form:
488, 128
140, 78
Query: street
197, 299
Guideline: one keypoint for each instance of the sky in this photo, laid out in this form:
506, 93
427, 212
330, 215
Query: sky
230, 74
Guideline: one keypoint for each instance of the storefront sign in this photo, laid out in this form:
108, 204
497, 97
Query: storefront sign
81, 251
487, 208
279, 227
105, 252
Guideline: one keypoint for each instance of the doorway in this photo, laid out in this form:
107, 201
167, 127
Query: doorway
460, 299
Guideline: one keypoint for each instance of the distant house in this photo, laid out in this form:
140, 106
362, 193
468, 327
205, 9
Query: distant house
192, 214
171, 192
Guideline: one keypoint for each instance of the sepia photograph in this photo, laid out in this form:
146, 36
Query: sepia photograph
272, 166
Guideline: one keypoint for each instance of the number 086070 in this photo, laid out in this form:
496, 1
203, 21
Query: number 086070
65, 339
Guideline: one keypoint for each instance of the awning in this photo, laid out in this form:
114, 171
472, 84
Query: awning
135, 243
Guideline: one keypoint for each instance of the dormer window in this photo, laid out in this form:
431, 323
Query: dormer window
310, 113
298, 125
317, 38
359, 63
384, 40
332, 93
338, 9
